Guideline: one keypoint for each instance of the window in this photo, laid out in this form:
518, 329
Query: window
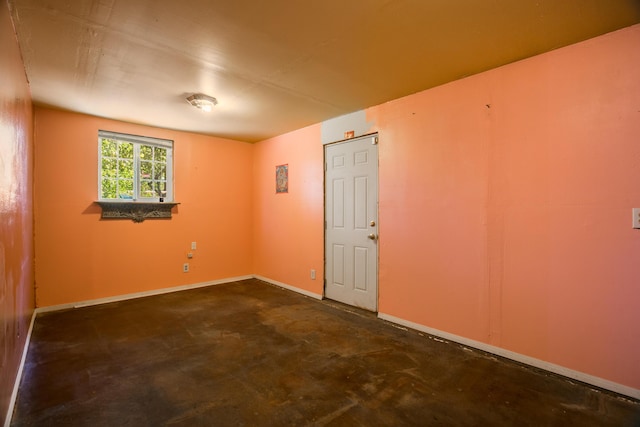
135, 168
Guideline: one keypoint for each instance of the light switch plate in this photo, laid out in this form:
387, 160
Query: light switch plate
636, 217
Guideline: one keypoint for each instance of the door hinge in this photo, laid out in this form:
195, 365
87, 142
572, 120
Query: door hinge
374, 140
325, 225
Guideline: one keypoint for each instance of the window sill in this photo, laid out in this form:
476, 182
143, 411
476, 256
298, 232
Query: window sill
136, 211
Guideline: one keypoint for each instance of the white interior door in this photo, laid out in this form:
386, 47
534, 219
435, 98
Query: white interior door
351, 215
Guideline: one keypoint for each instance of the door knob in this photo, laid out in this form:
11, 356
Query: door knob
372, 236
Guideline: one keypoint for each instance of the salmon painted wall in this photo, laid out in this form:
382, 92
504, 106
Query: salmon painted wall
288, 227
16, 208
504, 205
81, 257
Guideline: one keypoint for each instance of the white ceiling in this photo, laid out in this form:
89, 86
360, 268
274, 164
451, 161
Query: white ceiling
279, 65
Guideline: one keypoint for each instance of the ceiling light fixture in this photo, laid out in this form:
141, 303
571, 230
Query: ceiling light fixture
203, 102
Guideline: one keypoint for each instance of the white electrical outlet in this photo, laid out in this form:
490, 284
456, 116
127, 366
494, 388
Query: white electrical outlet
193, 246
313, 275
636, 217
185, 267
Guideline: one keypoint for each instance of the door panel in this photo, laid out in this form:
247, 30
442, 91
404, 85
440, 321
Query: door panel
360, 268
338, 203
338, 265
351, 213
361, 185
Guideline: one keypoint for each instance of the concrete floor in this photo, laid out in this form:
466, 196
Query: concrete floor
248, 353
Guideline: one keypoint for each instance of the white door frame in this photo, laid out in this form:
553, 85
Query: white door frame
372, 234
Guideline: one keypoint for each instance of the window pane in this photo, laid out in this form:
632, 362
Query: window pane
125, 188
160, 154
125, 168
109, 148
160, 171
125, 150
146, 189
132, 169
145, 169
161, 189
108, 189
146, 152
109, 168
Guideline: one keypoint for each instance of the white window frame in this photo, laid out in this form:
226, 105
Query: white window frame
137, 141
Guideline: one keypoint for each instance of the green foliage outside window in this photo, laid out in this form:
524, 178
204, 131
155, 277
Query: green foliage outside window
118, 170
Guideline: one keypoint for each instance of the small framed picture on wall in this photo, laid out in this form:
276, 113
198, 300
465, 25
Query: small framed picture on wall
282, 179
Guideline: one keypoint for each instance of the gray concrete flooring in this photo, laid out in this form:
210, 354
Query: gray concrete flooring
251, 354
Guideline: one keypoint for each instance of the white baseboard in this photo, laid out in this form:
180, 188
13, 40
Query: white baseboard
16, 384
139, 294
98, 301
556, 369
125, 297
569, 373
153, 292
289, 287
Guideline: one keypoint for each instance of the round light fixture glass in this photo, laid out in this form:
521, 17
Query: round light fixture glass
203, 102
